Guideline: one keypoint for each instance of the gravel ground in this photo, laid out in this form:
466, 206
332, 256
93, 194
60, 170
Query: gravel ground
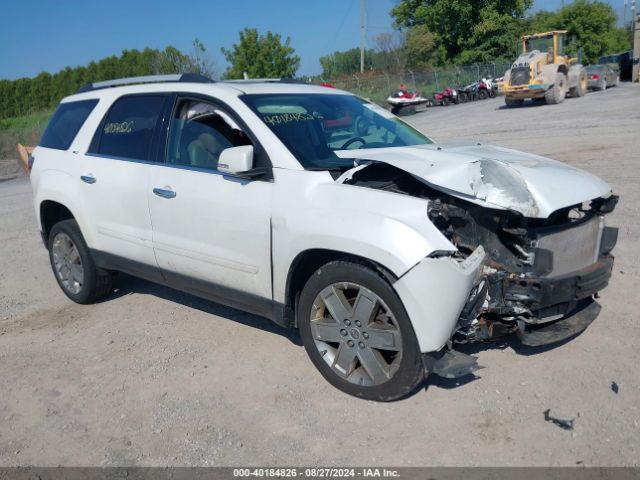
155, 377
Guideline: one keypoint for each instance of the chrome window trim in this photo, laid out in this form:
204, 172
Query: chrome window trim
169, 165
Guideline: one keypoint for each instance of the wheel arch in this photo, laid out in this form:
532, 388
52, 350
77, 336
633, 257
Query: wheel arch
549, 72
308, 261
574, 73
52, 212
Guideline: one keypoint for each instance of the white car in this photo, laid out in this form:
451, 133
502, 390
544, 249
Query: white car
325, 213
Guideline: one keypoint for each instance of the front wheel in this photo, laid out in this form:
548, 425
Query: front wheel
357, 333
482, 94
73, 267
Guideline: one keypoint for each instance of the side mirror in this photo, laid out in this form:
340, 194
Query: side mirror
236, 159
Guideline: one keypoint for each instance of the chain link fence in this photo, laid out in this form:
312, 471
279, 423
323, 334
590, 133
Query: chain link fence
378, 87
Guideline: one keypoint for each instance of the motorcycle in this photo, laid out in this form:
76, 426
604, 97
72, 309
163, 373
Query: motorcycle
485, 89
468, 93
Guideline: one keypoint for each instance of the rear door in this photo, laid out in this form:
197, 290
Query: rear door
211, 231
115, 179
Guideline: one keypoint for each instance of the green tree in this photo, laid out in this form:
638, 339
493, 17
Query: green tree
420, 48
44, 91
261, 56
346, 62
466, 30
590, 25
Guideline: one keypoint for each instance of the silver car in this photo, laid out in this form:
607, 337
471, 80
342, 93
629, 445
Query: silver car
599, 77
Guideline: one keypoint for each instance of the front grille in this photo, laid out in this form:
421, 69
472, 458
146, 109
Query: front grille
520, 76
574, 248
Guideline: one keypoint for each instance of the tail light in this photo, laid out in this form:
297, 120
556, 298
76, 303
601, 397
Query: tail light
595, 76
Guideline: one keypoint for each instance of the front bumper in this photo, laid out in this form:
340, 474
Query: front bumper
434, 293
534, 90
577, 321
546, 297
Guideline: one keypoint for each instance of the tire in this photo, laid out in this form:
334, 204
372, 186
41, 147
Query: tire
581, 88
395, 110
336, 345
513, 102
482, 94
557, 93
445, 101
73, 267
463, 97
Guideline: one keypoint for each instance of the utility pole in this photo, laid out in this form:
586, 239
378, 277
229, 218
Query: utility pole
362, 35
636, 41
624, 14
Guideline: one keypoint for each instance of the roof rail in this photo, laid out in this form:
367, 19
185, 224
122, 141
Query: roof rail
184, 77
267, 80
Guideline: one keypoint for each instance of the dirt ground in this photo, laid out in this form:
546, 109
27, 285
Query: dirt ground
155, 377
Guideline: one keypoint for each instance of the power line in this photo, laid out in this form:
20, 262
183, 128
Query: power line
344, 19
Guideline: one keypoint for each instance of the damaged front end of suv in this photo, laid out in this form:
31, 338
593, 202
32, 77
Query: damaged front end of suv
538, 223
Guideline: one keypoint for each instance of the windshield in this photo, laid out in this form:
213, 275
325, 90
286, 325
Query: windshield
314, 126
543, 44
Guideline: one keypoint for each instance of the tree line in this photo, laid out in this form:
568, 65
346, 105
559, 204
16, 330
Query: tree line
428, 34
440, 33
44, 91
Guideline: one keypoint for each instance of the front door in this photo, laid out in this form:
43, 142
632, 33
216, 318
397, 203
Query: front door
211, 232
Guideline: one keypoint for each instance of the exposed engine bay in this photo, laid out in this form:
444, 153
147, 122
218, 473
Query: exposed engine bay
536, 271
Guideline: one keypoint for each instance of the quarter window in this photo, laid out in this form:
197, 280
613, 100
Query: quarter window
199, 133
127, 130
65, 124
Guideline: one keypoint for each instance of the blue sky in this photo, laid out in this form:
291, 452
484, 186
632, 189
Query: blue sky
40, 36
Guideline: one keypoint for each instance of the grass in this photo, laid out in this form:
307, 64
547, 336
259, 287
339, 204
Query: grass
26, 129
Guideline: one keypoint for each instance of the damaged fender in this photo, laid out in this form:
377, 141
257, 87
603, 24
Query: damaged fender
434, 293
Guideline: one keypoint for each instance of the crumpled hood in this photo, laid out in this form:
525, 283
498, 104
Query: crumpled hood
492, 176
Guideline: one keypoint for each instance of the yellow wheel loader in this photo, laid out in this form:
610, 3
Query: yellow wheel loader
544, 72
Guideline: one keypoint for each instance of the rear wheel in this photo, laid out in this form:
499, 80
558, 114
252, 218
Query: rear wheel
357, 333
513, 102
557, 93
73, 267
482, 94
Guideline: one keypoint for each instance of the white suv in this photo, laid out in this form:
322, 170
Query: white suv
323, 212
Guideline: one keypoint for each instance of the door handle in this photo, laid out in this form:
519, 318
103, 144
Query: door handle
90, 179
164, 192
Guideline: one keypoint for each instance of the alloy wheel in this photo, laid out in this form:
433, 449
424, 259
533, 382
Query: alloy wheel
356, 334
67, 263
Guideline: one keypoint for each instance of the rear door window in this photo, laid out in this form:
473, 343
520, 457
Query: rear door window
128, 128
65, 124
